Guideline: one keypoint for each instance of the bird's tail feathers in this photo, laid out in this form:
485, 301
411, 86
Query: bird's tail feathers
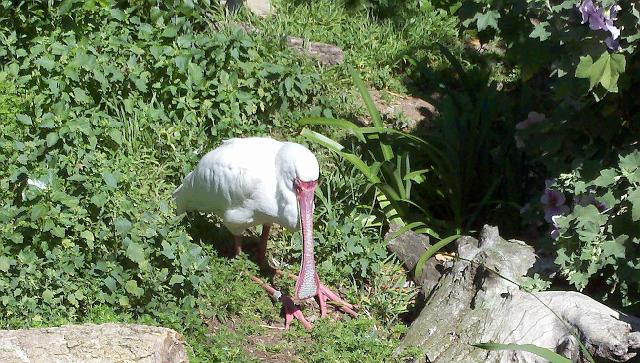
177, 196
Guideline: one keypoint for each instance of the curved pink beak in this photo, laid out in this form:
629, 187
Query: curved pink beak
308, 283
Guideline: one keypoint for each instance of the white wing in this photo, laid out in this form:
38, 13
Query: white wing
236, 181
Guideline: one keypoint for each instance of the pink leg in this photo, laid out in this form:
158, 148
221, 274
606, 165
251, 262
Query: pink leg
290, 309
238, 242
262, 248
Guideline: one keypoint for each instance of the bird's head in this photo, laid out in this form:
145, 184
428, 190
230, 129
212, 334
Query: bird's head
301, 168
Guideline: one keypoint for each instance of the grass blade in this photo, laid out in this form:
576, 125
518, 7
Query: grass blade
545, 353
387, 152
430, 252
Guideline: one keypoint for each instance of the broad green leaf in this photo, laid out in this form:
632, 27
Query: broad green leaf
615, 247
607, 177
110, 179
110, 283
38, 211
196, 73
25, 119
604, 71
47, 296
132, 287
5, 263
122, 225
545, 353
46, 62
135, 252
52, 138
88, 235
176, 279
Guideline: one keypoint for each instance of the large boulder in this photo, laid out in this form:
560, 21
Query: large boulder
93, 343
478, 300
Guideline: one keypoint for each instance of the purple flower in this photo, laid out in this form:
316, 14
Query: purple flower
601, 19
553, 201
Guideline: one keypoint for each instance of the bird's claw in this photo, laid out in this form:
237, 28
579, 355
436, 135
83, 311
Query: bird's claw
291, 310
325, 294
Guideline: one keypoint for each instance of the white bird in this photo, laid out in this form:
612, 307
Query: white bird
259, 180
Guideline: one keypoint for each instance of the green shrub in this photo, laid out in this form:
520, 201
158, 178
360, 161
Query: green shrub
122, 103
598, 240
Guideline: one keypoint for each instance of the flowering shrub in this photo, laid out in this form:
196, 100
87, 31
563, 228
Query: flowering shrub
578, 64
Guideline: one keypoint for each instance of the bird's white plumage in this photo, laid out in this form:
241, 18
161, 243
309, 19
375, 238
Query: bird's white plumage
248, 181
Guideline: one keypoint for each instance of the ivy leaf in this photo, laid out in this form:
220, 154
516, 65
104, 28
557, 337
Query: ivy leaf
607, 177
488, 19
540, 32
605, 71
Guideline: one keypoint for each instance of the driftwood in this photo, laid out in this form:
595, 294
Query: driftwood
92, 343
469, 303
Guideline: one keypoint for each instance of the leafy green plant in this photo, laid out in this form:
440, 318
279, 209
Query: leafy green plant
111, 102
389, 171
597, 239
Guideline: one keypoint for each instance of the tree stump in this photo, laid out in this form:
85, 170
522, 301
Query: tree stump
471, 304
93, 343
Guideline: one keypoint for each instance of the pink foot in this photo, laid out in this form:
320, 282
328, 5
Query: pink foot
325, 294
291, 310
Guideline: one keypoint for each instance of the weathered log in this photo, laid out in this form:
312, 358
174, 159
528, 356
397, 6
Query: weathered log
471, 303
93, 343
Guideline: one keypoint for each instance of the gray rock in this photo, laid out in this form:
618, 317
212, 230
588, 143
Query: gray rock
327, 54
93, 343
260, 8
472, 304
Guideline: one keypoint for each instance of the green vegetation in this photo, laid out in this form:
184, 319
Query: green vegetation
105, 105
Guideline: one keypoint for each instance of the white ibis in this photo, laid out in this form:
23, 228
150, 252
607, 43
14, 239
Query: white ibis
259, 180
